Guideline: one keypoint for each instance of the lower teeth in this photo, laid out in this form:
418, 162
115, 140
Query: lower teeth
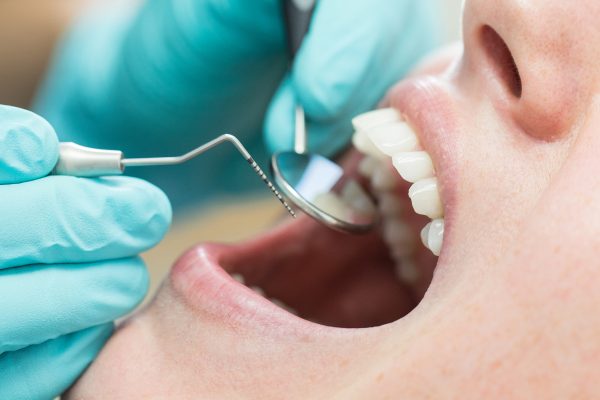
367, 166
396, 233
283, 306
399, 237
407, 272
389, 206
258, 290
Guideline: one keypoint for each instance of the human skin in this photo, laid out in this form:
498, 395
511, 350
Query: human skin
511, 311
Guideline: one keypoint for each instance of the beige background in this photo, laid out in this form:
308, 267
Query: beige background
28, 31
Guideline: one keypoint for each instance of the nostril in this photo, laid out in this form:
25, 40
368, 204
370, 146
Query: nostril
502, 60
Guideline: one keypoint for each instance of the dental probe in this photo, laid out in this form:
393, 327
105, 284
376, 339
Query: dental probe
81, 161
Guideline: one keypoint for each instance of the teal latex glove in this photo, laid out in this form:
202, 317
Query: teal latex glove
67, 259
169, 76
354, 52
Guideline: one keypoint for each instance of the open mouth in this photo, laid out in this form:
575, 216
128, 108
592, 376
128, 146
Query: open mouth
303, 272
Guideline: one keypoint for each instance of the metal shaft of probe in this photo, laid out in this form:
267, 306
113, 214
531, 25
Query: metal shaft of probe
144, 162
266, 180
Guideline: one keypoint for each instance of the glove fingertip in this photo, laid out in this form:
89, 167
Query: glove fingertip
159, 215
114, 287
29, 146
134, 288
141, 207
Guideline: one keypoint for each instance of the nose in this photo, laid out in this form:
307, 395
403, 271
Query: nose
527, 57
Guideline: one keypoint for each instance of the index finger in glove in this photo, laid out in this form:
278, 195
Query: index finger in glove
28, 146
66, 219
351, 55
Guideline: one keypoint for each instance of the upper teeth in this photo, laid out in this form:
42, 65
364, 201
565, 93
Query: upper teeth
434, 235
367, 121
392, 136
355, 196
413, 165
351, 200
426, 198
383, 179
366, 146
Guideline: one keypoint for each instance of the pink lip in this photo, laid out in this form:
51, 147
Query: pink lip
206, 288
427, 105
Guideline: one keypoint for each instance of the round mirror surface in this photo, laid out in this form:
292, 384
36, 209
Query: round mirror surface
320, 188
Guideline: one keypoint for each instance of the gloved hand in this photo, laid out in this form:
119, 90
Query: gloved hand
67, 265
175, 73
355, 50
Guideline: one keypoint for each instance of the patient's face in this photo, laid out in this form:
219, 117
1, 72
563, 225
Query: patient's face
512, 127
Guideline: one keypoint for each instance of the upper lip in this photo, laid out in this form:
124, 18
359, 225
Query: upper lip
426, 104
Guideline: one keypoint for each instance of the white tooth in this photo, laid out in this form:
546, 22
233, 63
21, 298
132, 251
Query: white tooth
389, 205
407, 271
413, 166
435, 236
367, 166
258, 290
239, 278
365, 145
400, 252
394, 137
353, 195
367, 121
383, 180
425, 198
396, 232
284, 306
332, 204
425, 235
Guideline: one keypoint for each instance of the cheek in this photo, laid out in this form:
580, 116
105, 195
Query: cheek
116, 372
475, 343
501, 177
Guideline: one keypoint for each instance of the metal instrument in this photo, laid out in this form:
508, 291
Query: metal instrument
76, 160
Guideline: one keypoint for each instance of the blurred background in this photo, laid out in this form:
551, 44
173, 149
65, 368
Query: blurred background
29, 31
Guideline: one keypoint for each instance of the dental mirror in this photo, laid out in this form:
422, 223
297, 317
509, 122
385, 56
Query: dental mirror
319, 187
313, 183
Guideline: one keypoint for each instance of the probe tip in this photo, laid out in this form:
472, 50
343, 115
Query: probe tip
266, 180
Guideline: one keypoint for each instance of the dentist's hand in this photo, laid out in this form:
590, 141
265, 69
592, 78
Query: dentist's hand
67, 259
355, 50
178, 69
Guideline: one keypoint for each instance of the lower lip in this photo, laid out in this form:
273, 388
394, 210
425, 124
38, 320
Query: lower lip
210, 292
